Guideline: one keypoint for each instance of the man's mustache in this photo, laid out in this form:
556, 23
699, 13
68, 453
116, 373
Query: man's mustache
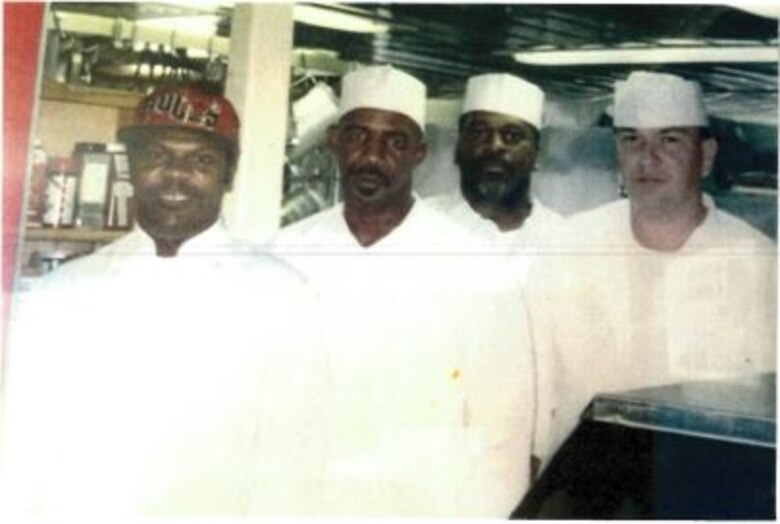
492, 160
368, 170
182, 187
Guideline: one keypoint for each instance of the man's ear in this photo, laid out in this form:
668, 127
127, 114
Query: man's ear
421, 150
538, 155
332, 137
621, 181
231, 157
709, 150
230, 176
131, 162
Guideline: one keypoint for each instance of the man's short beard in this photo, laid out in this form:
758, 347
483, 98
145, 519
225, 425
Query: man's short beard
505, 194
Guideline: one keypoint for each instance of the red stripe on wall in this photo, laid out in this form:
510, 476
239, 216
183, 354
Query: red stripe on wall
22, 25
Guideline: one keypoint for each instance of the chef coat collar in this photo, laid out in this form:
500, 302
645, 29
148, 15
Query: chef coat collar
206, 242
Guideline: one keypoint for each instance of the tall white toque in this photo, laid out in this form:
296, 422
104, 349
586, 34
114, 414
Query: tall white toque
658, 100
386, 88
507, 94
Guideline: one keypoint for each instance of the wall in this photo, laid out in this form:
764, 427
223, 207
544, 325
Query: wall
60, 124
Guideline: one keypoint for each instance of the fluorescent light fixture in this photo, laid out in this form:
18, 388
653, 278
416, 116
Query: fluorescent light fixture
650, 55
339, 20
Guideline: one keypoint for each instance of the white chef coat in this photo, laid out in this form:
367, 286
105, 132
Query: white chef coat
147, 385
614, 315
539, 235
432, 368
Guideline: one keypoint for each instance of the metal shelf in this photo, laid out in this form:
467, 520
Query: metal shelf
73, 234
90, 95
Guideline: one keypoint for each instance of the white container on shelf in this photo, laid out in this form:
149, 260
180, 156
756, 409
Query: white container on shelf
61, 189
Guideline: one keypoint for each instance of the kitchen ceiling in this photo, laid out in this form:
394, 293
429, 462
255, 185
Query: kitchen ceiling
445, 43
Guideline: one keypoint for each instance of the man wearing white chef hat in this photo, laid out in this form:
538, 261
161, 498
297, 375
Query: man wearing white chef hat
655, 116
433, 372
662, 287
379, 140
497, 148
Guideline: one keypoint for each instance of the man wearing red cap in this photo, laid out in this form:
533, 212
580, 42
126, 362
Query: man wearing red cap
159, 375
182, 148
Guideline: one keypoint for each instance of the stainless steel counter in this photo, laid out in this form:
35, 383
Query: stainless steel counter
697, 450
738, 410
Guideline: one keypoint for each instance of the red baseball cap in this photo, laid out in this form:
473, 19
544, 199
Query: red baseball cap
186, 106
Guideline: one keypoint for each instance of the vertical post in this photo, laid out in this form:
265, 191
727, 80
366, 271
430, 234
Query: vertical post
258, 84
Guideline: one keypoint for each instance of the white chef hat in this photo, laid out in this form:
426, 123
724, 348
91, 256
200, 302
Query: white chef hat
504, 93
386, 88
658, 100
